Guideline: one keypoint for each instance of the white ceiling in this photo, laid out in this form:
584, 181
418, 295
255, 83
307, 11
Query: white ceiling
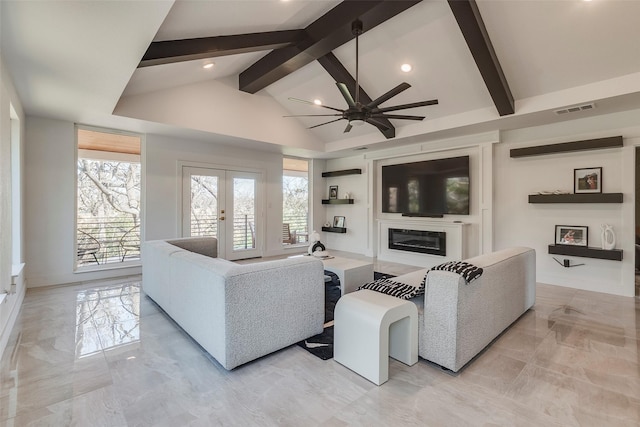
76, 60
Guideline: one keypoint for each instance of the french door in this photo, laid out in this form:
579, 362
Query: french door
223, 204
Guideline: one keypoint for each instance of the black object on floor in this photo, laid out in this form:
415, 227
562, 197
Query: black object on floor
320, 345
331, 295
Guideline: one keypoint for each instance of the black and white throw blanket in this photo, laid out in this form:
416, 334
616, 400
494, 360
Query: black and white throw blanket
469, 273
393, 288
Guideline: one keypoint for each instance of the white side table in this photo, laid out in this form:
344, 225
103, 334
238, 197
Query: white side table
371, 326
352, 273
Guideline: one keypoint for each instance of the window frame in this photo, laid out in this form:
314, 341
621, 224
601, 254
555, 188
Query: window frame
109, 266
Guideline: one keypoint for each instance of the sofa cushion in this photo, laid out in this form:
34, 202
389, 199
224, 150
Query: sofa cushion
207, 246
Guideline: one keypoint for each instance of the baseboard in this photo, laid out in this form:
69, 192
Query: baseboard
81, 277
13, 315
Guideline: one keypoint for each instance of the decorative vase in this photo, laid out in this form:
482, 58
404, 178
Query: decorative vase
608, 236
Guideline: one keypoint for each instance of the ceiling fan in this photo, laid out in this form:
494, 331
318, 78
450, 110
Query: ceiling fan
357, 114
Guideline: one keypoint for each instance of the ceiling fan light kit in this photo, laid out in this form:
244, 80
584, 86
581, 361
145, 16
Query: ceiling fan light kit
357, 114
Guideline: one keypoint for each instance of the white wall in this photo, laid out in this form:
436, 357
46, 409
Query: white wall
11, 305
50, 196
51, 207
362, 217
520, 223
162, 156
357, 216
217, 106
500, 213
507, 220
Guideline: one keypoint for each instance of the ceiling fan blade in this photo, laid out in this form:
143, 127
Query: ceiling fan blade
326, 123
406, 106
346, 94
393, 92
397, 116
314, 104
348, 128
315, 115
377, 124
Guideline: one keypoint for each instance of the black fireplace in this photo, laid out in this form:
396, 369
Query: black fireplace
424, 242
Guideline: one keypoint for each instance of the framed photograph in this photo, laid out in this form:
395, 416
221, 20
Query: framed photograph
338, 221
587, 180
333, 192
574, 235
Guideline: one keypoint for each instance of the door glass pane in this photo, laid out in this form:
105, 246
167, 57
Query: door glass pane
204, 206
244, 207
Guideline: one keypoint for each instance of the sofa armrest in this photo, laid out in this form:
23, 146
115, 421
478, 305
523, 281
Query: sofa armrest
281, 301
439, 329
461, 319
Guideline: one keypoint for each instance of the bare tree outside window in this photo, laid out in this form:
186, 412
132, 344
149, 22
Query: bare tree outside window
204, 205
295, 199
108, 191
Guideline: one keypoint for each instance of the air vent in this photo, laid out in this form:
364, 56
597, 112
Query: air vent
359, 148
576, 108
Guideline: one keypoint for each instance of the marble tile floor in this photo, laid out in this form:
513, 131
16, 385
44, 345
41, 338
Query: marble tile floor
103, 354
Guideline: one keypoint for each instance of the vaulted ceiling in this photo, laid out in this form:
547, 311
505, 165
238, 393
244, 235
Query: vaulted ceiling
491, 65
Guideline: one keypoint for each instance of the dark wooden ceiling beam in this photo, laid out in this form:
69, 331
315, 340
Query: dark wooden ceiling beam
340, 74
170, 51
475, 33
327, 33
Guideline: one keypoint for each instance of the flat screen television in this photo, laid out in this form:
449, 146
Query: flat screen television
428, 188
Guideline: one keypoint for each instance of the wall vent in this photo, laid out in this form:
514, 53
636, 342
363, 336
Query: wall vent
576, 108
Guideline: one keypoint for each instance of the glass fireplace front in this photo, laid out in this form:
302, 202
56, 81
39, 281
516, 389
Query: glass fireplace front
426, 242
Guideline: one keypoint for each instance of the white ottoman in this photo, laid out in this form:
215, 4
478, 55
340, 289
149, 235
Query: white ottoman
371, 326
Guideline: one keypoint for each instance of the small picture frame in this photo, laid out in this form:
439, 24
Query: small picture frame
572, 235
587, 180
338, 222
333, 192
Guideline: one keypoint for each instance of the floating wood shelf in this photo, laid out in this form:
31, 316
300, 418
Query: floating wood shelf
337, 201
342, 173
334, 229
576, 198
589, 144
586, 252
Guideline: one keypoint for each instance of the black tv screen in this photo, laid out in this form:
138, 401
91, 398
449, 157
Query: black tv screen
431, 187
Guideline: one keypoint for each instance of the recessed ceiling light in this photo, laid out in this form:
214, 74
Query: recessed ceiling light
406, 67
208, 65
317, 102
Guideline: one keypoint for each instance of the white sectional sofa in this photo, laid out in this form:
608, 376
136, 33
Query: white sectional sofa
237, 313
457, 320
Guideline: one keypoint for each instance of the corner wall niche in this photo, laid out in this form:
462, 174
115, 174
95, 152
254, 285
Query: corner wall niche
455, 242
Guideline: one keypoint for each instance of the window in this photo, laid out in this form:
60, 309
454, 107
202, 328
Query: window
295, 201
108, 198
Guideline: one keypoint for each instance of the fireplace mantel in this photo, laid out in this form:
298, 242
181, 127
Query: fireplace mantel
455, 242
